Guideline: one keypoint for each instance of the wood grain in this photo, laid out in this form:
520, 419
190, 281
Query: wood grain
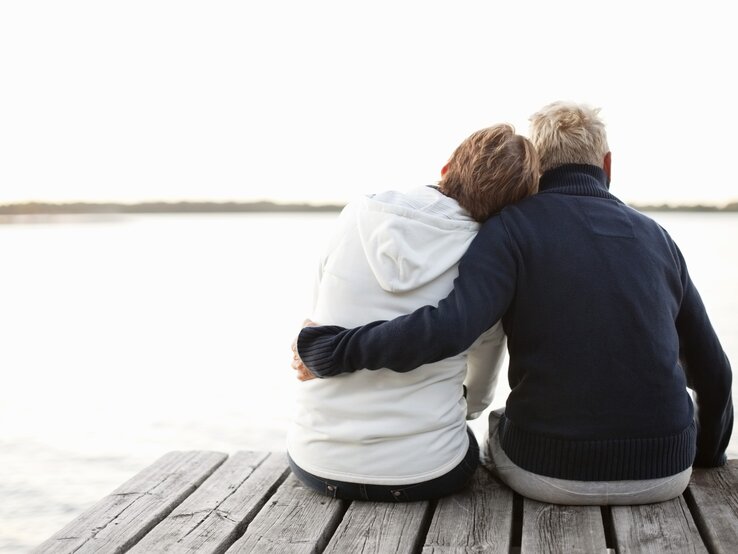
376, 528
201, 502
663, 527
713, 497
554, 528
216, 514
478, 519
122, 518
295, 520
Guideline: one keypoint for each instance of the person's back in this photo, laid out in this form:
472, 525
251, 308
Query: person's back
594, 352
392, 253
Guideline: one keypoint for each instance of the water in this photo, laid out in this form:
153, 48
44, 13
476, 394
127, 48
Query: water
125, 338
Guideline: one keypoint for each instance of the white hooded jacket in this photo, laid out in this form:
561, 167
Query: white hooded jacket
390, 254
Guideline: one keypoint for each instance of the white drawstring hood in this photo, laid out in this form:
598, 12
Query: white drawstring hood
390, 254
409, 241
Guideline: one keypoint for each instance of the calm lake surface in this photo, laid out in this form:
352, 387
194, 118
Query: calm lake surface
123, 338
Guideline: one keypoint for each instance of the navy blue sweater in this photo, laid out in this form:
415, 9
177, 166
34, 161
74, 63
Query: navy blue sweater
605, 331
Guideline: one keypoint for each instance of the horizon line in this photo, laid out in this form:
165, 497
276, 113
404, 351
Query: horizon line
235, 206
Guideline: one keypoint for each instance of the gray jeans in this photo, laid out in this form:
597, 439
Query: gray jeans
580, 493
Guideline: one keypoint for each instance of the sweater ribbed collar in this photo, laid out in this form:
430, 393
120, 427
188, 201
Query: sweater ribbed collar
576, 179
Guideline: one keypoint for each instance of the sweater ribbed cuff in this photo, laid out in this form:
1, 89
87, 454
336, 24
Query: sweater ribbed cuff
315, 346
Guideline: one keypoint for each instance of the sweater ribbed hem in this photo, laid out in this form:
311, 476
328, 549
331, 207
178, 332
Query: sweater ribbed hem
599, 460
315, 348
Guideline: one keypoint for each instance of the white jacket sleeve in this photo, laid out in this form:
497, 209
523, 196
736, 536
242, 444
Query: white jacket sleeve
484, 362
346, 218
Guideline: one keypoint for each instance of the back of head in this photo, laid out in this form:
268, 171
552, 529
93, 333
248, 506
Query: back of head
568, 133
492, 168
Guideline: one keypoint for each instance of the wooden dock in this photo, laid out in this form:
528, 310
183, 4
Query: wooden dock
249, 502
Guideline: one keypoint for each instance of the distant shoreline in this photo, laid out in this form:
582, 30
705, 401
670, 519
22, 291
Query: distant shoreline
112, 208
732, 207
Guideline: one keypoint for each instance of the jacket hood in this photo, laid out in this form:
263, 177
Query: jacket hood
411, 238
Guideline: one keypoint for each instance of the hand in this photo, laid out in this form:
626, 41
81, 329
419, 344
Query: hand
303, 373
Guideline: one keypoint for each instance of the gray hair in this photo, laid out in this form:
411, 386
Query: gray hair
566, 133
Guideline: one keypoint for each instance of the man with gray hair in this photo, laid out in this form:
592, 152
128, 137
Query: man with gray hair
605, 333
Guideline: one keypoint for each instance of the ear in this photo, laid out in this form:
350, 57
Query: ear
607, 166
444, 170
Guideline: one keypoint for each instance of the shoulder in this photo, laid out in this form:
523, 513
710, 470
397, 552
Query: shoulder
646, 223
492, 240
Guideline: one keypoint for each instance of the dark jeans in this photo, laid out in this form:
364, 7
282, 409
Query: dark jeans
446, 484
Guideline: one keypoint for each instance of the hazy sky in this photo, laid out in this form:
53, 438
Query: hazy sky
316, 100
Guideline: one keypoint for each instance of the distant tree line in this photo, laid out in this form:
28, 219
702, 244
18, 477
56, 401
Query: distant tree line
46, 208
732, 207
32, 208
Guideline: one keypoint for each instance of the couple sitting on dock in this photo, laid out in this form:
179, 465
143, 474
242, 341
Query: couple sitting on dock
605, 332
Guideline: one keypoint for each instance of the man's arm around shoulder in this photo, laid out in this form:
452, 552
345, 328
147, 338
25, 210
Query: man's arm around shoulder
482, 292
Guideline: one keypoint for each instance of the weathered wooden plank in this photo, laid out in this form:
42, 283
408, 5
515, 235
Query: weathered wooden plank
554, 528
713, 496
663, 527
378, 528
295, 520
120, 519
479, 519
217, 513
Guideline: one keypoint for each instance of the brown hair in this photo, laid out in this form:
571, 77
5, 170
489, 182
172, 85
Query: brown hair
492, 168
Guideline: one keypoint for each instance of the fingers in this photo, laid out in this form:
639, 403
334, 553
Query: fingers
303, 373
296, 361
